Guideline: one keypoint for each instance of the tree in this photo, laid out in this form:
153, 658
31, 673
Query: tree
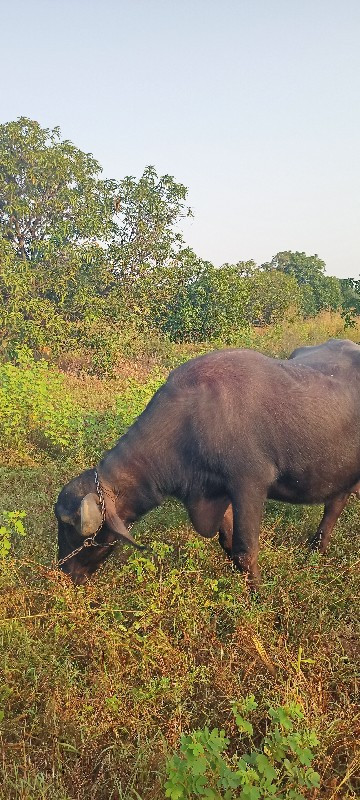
51, 195
304, 268
209, 305
56, 216
148, 257
350, 290
272, 295
318, 290
78, 253
146, 236
244, 268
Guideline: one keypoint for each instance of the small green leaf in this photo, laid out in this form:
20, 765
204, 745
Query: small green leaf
264, 766
243, 725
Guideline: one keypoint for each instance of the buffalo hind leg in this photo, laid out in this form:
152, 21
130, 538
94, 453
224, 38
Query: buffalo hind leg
332, 511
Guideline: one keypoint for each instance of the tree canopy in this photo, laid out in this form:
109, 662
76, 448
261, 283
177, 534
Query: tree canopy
88, 263
51, 193
318, 290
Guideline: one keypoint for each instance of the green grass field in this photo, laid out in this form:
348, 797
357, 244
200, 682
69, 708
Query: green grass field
98, 682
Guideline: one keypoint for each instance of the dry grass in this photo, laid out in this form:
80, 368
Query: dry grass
97, 394
98, 682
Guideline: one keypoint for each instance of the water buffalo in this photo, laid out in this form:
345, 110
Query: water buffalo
337, 358
225, 432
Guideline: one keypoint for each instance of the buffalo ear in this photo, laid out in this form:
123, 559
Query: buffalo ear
117, 526
90, 514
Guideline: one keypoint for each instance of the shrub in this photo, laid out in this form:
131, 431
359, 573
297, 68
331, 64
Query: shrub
38, 413
280, 767
13, 524
35, 409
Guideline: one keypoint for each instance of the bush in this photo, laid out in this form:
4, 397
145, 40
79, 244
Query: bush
280, 767
100, 430
36, 411
13, 523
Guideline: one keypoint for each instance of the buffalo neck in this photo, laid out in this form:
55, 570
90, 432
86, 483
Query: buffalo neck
141, 470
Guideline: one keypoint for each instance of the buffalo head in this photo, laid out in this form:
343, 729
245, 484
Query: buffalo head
81, 526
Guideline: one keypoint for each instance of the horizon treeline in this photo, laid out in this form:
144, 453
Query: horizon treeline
100, 267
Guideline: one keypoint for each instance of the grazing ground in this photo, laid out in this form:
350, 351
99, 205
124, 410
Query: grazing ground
98, 682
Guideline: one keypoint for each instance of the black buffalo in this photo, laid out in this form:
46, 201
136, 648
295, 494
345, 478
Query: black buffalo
224, 433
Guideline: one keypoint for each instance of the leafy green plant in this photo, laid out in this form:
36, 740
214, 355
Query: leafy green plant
133, 401
35, 408
38, 412
13, 523
98, 431
279, 767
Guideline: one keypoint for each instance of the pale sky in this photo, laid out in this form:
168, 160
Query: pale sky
253, 104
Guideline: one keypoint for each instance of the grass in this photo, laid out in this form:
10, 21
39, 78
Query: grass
98, 682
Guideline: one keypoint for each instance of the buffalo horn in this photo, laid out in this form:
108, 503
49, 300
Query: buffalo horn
90, 513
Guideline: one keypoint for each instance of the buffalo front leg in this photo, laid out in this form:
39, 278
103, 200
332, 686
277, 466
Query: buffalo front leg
332, 511
247, 509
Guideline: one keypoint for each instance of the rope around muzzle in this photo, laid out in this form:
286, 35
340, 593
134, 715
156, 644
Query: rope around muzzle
91, 540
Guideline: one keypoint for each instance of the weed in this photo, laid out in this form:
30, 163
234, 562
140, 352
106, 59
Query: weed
280, 766
13, 524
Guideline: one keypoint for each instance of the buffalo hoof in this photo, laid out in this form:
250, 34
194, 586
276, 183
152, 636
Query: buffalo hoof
251, 571
315, 542
318, 544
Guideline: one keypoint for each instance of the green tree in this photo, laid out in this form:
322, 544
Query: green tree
56, 215
244, 268
78, 253
304, 268
148, 257
318, 290
150, 209
51, 195
350, 290
209, 305
272, 295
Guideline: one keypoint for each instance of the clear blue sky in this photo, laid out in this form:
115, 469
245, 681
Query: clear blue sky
253, 104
